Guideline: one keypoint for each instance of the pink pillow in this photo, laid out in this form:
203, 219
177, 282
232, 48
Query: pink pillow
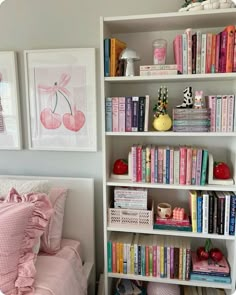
51, 239
22, 221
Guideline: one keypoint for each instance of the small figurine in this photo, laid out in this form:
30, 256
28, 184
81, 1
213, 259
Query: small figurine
198, 100
188, 98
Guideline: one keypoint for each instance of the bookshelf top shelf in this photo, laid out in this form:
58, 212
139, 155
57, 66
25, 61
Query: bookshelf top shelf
170, 21
173, 134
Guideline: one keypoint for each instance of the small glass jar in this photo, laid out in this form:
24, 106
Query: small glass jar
159, 51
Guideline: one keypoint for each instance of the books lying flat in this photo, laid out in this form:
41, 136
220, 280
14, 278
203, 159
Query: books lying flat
172, 227
209, 265
207, 278
171, 221
191, 128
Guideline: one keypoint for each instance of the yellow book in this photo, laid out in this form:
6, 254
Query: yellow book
162, 262
193, 209
117, 256
121, 260
116, 47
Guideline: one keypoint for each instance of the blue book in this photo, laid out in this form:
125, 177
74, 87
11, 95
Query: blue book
107, 47
168, 165
207, 278
109, 256
199, 213
232, 214
108, 114
204, 167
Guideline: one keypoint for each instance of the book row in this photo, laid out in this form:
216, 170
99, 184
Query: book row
149, 255
169, 165
127, 114
199, 53
213, 212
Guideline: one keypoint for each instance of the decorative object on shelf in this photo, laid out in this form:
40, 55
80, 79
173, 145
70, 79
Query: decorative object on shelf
214, 180
162, 121
221, 170
164, 210
128, 287
208, 251
120, 166
194, 5
188, 98
61, 99
154, 288
129, 56
159, 51
198, 100
10, 131
178, 213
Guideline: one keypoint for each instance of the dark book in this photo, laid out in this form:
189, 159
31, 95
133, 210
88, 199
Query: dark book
211, 213
220, 213
141, 113
194, 53
188, 264
139, 259
128, 114
176, 263
135, 103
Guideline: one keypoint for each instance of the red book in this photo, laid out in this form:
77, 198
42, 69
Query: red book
230, 48
223, 52
208, 53
217, 56
209, 265
213, 54
171, 221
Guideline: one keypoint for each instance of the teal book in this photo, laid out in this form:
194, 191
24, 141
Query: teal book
204, 167
107, 48
172, 227
108, 114
109, 256
208, 278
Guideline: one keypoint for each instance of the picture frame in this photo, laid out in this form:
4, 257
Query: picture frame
10, 123
61, 99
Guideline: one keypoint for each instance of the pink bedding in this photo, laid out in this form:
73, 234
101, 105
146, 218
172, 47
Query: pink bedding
61, 273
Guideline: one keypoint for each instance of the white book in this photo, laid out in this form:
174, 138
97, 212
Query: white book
205, 210
227, 212
230, 110
185, 53
176, 166
189, 49
198, 58
203, 54
218, 113
146, 117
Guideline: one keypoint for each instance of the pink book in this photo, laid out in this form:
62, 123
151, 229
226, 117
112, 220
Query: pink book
189, 49
158, 260
224, 113
160, 164
171, 165
121, 113
154, 264
134, 162
164, 166
194, 166
217, 57
189, 166
209, 266
223, 52
115, 114
230, 117
208, 52
211, 104
234, 63
139, 163
199, 166
178, 54
182, 165
171, 221
152, 164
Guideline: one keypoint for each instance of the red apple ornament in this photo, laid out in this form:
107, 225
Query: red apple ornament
216, 254
120, 167
203, 251
221, 170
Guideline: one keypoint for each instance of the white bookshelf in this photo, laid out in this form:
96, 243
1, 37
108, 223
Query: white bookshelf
139, 32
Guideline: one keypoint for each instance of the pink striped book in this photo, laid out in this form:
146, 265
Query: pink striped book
178, 53
134, 162
152, 164
211, 104
160, 164
164, 166
194, 166
182, 164
139, 163
223, 51
230, 116
121, 114
189, 166
171, 165
217, 52
208, 52
189, 49
115, 114
224, 113
199, 166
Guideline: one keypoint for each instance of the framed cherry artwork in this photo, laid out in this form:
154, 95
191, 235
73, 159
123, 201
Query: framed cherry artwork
61, 99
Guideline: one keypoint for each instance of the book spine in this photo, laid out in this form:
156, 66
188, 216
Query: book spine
156, 165
189, 166
232, 215
147, 259
194, 166
223, 51
121, 261
139, 260
141, 113
167, 165
144, 164
221, 215
211, 214
193, 200
146, 116
158, 260
204, 167
185, 53
203, 54
150, 261
125, 258
217, 52
215, 215
180, 54
234, 64
117, 257
198, 58
139, 163
114, 257
152, 164
121, 114
172, 262
160, 164
176, 263
230, 110
143, 260
164, 166
188, 264
171, 166
176, 166
230, 48
115, 114
107, 57
132, 259
227, 213
208, 52
205, 209
162, 275
109, 256
199, 213
189, 49
112, 57
154, 265
194, 53
134, 162
218, 113
224, 113
211, 104
213, 54
135, 103
184, 264
128, 250
165, 261
199, 167
148, 164
180, 263
183, 160
128, 114
108, 113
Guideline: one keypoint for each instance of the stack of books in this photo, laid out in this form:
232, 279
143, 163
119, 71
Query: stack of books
173, 224
191, 120
209, 270
155, 70
130, 198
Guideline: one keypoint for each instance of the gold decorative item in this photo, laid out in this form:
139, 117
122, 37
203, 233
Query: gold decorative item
162, 121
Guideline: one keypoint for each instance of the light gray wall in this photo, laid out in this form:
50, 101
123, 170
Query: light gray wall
44, 24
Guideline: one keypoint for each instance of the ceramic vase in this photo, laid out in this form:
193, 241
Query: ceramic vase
162, 123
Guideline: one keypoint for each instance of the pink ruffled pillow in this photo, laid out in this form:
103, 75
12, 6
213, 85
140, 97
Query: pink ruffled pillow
51, 239
22, 221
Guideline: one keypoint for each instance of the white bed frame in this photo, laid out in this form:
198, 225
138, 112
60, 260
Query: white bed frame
78, 218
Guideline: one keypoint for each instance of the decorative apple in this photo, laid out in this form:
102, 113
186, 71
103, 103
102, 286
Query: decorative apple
203, 251
120, 167
221, 170
216, 254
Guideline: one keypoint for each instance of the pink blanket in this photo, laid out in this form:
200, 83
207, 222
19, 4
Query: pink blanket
61, 273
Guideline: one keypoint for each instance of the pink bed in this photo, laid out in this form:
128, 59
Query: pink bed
61, 273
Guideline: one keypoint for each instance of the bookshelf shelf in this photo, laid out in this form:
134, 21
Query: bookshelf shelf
208, 187
170, 233
173, 78
139, 31
171, 281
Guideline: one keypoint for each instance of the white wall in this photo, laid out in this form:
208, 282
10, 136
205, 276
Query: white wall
43, 24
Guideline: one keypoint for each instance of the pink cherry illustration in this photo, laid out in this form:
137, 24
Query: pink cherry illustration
74, 122
49, 119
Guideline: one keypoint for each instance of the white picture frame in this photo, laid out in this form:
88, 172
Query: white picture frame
61, 99
10, 123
